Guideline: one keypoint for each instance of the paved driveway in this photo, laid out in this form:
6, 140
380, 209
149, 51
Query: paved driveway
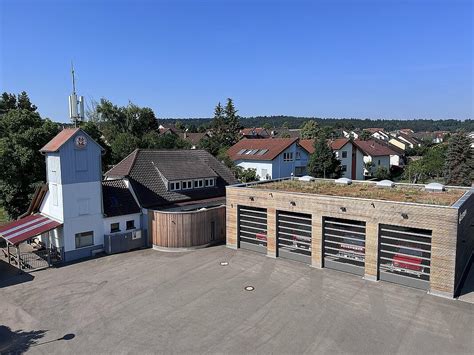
149, 301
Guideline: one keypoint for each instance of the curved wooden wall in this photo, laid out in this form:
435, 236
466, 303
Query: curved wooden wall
186, 229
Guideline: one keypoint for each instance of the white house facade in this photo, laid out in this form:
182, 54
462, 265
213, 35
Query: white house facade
272, 158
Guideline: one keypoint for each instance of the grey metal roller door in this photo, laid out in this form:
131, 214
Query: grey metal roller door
252, 228
405, 255
294, 236
344, 245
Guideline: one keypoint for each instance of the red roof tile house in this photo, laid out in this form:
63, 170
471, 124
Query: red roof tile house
273, 158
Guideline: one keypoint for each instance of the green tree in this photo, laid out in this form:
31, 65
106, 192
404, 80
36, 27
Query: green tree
382, 173
22, 167
310, 130
123, 145
459, 160
225, 128
247, 175
154, 140
92, 129
232, 123
365, 135
179, 126
323, 162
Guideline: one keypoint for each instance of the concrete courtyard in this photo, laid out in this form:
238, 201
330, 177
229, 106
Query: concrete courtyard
155, 302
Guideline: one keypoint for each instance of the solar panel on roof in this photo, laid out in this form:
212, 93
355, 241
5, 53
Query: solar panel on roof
262, 151
253, 151
241, 151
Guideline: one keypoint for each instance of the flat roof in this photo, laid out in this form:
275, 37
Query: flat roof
410, 193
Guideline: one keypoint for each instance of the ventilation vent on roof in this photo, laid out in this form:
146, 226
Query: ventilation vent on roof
306, 178
435, 187
385, 183
343, 181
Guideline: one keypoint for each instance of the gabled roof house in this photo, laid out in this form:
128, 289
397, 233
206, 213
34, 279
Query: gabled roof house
272, 158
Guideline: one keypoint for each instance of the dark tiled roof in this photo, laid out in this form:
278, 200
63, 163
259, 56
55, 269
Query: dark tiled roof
193, 138
409, 138
254, 132
336, 144
62, 137
117, 199
144, 173
124, 167
372, 148
274, 147
174, 165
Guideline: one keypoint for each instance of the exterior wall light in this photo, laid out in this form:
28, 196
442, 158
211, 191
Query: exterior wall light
251, 198
405, 216
343, 209
293, 203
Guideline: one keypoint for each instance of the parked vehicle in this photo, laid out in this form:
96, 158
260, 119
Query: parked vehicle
352, 249
302, 242
408, 261
261, 239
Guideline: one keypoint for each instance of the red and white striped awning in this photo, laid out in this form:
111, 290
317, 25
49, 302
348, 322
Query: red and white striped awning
24, 228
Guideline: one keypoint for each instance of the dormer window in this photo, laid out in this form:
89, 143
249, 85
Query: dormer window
175, 185
210, 182
188, 184
198, 183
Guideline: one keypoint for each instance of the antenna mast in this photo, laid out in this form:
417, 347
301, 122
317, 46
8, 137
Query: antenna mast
74, 102
73, 79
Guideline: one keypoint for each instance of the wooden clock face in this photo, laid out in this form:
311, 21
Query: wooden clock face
80, 141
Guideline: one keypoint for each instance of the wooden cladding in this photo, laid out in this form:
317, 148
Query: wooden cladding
187, 229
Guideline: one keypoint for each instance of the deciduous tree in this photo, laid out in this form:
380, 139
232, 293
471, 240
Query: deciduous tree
22, 134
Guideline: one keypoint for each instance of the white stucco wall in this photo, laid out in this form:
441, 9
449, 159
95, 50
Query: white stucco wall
82, 212
258, 165
347, 161
122, 220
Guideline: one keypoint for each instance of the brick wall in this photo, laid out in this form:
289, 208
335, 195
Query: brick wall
442, 221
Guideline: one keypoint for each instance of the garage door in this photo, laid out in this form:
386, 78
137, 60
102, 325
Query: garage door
252, 223
294, 236
344, 245
405, 255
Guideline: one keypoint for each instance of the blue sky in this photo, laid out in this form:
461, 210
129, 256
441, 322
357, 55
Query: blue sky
352, 58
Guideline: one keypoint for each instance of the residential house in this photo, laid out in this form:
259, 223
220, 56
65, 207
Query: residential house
193, 138
409, 140
354, 134
342, 148
255, 132
369, 151
355, 154
378, 133
272, 158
